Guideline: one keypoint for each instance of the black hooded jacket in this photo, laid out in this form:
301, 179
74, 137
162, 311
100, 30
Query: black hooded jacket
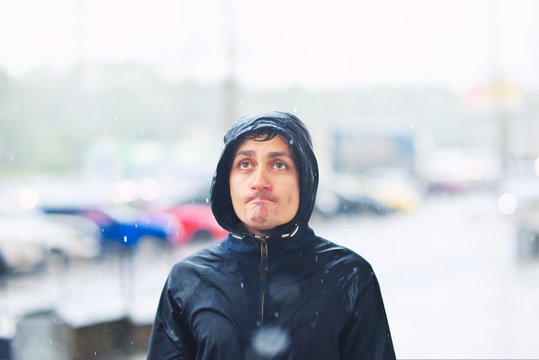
291, 295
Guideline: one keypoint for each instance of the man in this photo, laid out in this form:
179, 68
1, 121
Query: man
272, 289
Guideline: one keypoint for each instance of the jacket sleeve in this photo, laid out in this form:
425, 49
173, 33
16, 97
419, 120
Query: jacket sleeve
170, 338
367, 335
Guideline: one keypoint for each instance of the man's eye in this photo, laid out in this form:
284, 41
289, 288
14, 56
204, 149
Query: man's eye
244, 164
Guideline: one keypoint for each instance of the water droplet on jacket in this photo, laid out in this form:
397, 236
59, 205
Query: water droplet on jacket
276, 314
316, 258
242, 285
270, 341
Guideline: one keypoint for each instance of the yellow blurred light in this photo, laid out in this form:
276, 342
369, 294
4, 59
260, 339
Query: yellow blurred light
148, 189
28, 198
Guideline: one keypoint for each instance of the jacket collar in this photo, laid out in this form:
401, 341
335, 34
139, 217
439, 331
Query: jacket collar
279, 245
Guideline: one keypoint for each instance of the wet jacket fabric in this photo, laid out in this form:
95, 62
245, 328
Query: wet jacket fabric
289, 295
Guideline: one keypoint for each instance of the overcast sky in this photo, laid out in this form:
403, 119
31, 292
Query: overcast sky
455, 43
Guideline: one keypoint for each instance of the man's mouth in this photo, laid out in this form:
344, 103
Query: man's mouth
261, 197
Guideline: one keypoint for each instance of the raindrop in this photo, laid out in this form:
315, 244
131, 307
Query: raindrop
276, 314
411, 125
241, 285
507, 203
125, 238
316, 258
270, 341
322, 281
207, 201
291, 142
355, 270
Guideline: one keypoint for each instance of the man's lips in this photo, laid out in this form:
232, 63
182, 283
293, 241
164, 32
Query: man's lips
261, 197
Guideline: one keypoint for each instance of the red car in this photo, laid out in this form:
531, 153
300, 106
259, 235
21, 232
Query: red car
195, 222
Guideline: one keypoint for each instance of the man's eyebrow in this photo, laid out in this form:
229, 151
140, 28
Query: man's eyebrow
273, 154
248, 153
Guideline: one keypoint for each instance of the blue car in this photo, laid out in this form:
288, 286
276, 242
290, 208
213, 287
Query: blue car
123, 225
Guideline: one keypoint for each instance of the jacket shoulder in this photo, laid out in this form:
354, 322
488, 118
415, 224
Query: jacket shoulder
344, 263
190, 274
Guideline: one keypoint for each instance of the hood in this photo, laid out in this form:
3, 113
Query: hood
298, 137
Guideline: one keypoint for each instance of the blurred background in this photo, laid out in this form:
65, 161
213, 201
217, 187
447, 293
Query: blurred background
425, 119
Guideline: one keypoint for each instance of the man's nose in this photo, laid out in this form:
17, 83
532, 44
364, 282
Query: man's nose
261, 180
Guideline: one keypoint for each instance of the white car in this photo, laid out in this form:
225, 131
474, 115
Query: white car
29, 240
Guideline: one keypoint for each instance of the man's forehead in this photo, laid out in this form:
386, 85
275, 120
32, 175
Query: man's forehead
277, 144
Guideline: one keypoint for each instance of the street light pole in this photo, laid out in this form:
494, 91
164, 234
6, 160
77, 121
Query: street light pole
230, 88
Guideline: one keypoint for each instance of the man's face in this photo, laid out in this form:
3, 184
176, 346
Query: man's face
264, 184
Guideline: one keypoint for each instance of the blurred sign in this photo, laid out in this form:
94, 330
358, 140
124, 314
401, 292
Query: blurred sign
487, 96
359, 152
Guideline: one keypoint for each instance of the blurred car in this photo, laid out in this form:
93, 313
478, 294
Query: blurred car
453, 171
519, 194
361, 194
331, 202
519, 199
30, 240
196, 222
124, 226
4, 266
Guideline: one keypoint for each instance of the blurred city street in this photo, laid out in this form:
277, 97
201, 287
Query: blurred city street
451, 281
424, 119
452, 285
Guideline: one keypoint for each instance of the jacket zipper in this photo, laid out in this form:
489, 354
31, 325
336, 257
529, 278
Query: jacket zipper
263, 275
